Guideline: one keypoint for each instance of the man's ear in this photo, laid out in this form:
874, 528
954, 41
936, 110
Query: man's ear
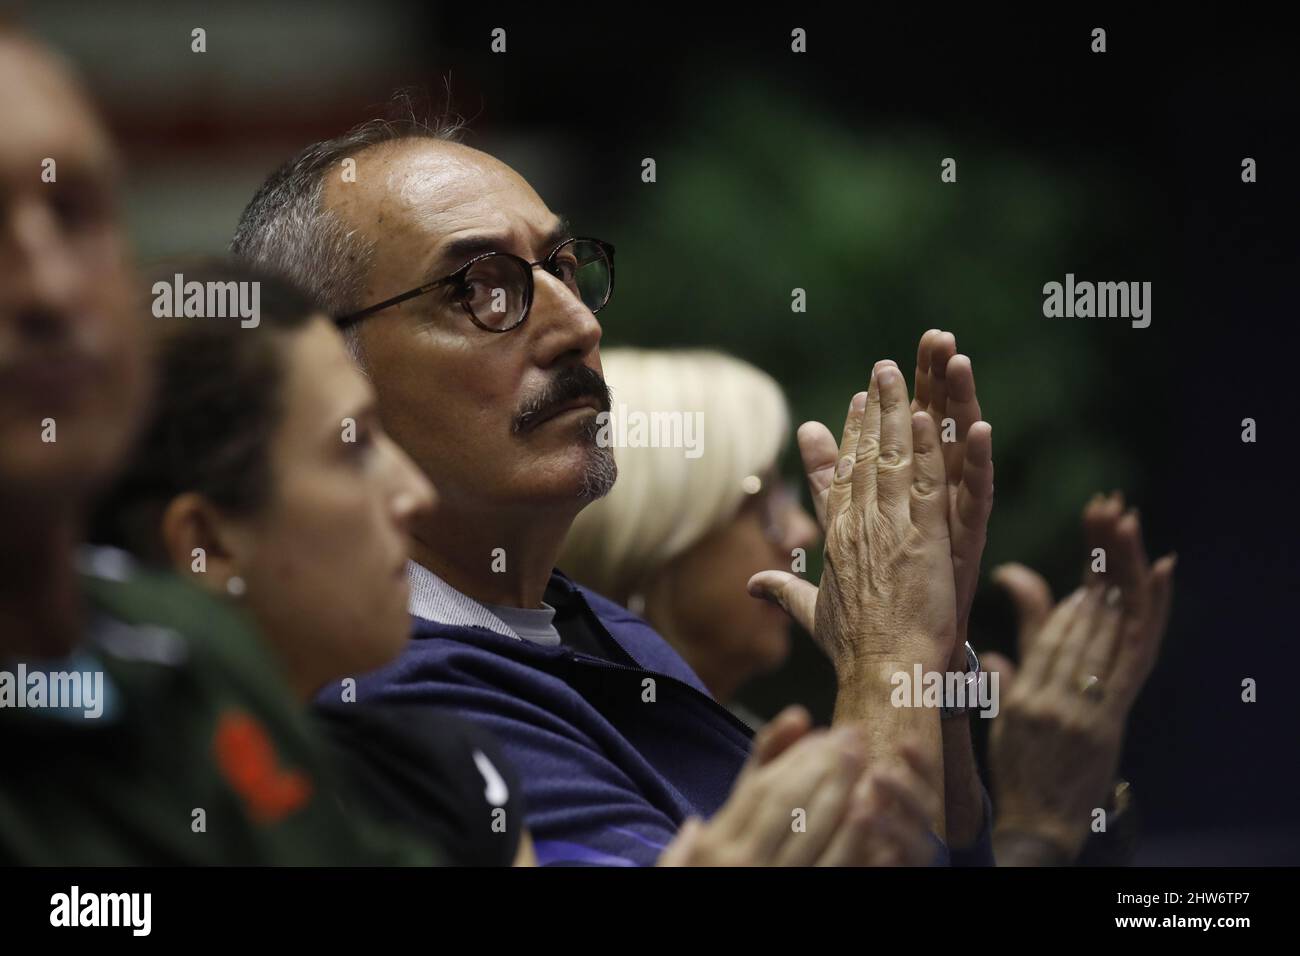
197, 539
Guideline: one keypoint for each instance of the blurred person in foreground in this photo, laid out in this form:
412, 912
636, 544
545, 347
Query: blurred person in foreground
142, 723
471, 307
690, 521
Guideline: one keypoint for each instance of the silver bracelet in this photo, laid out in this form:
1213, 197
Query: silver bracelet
951, 708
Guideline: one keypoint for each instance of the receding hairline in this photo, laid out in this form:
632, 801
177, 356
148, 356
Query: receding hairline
334, 189
390, 150
296, 222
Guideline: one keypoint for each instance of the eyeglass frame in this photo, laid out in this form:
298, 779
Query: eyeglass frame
774, 492
606, 248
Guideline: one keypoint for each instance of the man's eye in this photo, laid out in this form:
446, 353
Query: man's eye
462, 291
471, 288
565, 269
77, 206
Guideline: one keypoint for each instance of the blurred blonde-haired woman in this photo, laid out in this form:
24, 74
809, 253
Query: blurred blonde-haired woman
692, 518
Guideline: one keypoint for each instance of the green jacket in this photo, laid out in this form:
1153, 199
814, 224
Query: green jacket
201, 755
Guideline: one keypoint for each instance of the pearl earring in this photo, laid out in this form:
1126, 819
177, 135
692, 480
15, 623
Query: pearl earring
235, 586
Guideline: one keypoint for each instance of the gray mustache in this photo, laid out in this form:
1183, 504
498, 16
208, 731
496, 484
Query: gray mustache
575, 382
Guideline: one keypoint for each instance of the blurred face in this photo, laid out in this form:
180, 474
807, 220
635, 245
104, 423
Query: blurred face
496, 420
324, 563
725, 635
71, 362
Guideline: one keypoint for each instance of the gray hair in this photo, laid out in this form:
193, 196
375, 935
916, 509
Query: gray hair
286, 228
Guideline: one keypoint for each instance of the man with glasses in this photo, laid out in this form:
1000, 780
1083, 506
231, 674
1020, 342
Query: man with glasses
472, 307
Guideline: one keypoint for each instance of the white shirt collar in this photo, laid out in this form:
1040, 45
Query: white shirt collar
433, 599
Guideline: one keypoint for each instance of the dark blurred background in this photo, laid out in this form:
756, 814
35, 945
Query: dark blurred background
821, 171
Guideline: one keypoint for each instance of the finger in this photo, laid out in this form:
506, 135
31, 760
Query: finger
1036, 666
755, 787
864, 463
1098, 657
842, 478
819, 452
1031, 597
857, 842
921, 390
910, 794
901, 843
779, 734
1139, 646
1079, 634
852, 844
1129, 567
794, 595
1160, 600
943, 348
1099, 518
894, 465
824, 810
963, 408
928, 502
897, 839
680, 851
975, 477
1162, 594
796, 776
773, 739
1092, 519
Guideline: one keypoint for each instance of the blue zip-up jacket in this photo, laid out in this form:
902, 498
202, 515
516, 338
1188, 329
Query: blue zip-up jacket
613, 756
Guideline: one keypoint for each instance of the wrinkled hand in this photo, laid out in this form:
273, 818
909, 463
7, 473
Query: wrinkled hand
850, 816
945, 388
887, 591
1055, 746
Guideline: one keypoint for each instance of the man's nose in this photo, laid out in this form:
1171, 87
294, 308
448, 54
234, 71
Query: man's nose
40, 279
563, 327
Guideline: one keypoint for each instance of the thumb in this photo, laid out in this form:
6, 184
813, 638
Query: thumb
776, 736
773, 739
1032, 597
797, 597
819, 451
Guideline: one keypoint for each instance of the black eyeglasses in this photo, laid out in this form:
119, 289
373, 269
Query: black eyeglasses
496, 288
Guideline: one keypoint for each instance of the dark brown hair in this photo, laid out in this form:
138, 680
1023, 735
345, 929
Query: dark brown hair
216, 407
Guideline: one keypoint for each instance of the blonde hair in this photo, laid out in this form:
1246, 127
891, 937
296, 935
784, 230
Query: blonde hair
665, 502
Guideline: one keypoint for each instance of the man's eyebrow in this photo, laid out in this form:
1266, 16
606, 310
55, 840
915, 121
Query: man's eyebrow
557, 235
459, 251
